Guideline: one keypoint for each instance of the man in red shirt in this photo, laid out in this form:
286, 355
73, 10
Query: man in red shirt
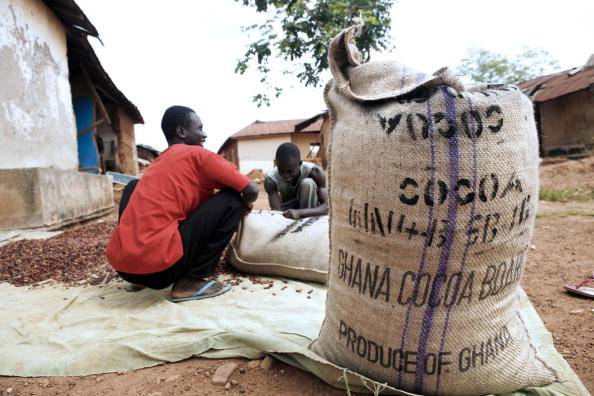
173, 228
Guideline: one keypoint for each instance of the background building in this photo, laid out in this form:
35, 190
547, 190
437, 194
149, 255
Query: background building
254, 146
564, 109
63, 121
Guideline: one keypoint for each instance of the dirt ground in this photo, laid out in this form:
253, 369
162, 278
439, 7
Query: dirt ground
563, 252
563, 174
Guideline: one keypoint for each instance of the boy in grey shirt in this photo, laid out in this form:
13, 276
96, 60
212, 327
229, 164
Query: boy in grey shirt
295, 187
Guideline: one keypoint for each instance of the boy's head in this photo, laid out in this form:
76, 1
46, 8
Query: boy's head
288, 161
181, 124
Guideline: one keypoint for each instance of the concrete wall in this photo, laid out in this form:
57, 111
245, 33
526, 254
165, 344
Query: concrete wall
37, 127
568, 121
258, 153
46, 197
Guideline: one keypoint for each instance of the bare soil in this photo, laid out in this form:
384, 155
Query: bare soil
190, 377
565, 174
563, 253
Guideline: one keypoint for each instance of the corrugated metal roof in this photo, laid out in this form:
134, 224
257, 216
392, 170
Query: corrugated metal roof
78, 28
149, 148
549, 87
281, 127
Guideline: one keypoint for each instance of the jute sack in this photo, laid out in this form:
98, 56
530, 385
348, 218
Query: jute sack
433, 191
267, 243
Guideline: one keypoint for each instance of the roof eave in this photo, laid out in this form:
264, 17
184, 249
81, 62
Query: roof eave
78, 28
72, 16
78, 43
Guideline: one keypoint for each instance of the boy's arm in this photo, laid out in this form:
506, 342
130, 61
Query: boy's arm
273, 195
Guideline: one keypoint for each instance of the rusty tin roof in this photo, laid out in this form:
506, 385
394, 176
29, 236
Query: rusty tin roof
552, 86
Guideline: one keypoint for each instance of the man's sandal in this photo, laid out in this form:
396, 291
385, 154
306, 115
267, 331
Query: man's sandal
585, 288
200, 293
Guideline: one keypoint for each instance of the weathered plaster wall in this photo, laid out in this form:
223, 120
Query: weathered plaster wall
69, 196
37, 127
45, 197
229, 153
20, 199
304, 141
258, 153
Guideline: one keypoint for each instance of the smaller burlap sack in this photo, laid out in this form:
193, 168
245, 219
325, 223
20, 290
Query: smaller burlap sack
433, 193
267, 243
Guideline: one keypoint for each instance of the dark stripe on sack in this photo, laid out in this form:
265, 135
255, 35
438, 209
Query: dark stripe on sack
467, 247
305, 224
423, 262
285, 230
454, 158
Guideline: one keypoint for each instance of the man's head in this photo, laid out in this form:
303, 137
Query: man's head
181, 124
288, 161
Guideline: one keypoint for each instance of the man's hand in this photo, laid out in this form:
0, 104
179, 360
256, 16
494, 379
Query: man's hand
294, 214
247, 209
250, 193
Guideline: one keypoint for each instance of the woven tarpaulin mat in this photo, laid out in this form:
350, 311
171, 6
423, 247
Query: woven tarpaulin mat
52, 330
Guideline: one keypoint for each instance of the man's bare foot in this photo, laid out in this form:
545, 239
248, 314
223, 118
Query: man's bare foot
184, 288
133, 288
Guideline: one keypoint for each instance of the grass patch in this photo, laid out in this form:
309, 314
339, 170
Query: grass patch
579, 195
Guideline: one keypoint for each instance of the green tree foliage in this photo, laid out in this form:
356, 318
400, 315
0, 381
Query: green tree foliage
483, 66
299, 32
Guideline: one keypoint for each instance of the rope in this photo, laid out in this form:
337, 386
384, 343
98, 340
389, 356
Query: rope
376, 388
346, 381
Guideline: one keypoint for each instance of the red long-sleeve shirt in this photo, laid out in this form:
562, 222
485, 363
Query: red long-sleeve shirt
147, 238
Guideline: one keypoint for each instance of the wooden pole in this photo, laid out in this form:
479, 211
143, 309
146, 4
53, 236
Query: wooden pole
96, 96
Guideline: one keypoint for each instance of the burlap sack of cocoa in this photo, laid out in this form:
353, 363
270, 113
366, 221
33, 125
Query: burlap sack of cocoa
267, 243
433, 189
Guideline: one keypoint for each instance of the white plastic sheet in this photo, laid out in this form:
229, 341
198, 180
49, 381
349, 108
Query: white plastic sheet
57, 331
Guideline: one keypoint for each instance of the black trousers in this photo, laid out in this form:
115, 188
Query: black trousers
205, 234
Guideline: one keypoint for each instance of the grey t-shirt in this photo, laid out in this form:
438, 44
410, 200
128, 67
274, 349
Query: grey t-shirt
286, 190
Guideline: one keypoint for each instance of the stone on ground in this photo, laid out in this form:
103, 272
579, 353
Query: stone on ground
254, 363
267, 363
223, 372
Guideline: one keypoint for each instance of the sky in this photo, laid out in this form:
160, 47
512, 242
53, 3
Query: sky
183, 52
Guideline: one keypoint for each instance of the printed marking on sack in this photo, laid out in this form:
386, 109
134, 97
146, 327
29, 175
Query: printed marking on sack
481, 228
295, 227
467, 358
416, 125
383, 283
305, 224
431, 194
285, 230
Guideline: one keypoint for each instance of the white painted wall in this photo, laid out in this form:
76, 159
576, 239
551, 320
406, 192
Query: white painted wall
258, 153
37, 126
303, 141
